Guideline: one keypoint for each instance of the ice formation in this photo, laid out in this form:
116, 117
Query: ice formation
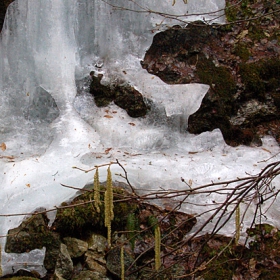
46, 49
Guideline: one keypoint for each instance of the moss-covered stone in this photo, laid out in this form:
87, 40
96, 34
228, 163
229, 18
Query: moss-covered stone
260, 78
78, 221
242, 50
34, 233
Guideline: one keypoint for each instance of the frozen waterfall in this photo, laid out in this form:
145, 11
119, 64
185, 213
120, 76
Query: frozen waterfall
46, 49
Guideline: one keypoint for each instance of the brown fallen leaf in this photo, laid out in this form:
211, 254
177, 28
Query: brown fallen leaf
108, 150
131, 123
8, 157
3, 146
108, 116
27, 185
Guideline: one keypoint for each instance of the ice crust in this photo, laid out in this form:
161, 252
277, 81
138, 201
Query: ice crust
46, 49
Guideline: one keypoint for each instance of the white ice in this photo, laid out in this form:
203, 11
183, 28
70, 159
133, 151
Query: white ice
46, 48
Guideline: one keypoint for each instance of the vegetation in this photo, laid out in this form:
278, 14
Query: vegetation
161, 238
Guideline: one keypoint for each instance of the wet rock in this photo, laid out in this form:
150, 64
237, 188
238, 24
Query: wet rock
131, 100
64, 265
124, 96
114, 261
75, 247
103, 95
239, 63
34, 233
97, 243
253, 111
90, 275
95, 256
3, 7
95, 262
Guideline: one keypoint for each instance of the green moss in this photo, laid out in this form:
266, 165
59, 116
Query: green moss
256, 32
132, 225
231, 12
79, 220
152, 222
260, 77
242, 51
31, 234
220, 80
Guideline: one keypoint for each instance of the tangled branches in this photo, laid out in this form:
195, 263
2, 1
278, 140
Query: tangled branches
240, 205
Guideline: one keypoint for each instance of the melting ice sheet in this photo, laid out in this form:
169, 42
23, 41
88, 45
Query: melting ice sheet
46, 48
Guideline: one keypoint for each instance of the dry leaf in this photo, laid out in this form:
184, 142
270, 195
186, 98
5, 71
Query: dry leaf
3, 146
242, 34
27, 185
131, 123
108, 116
8, 157
108, 150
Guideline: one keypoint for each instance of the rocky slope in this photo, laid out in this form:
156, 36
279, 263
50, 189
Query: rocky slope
240, 61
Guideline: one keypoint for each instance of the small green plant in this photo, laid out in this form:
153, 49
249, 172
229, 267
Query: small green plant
131, 226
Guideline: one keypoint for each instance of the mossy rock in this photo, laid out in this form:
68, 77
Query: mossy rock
242, 50
34, 233
78, 221
260, 78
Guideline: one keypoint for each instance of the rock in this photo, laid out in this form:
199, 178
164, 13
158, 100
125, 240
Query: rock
95, 256
98, 244
95, 262
253, 111
124, 96
131, 100
90, 275
34, 233
3, 7
103, 95
239, 63
75, 247
114, 261
64, 265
